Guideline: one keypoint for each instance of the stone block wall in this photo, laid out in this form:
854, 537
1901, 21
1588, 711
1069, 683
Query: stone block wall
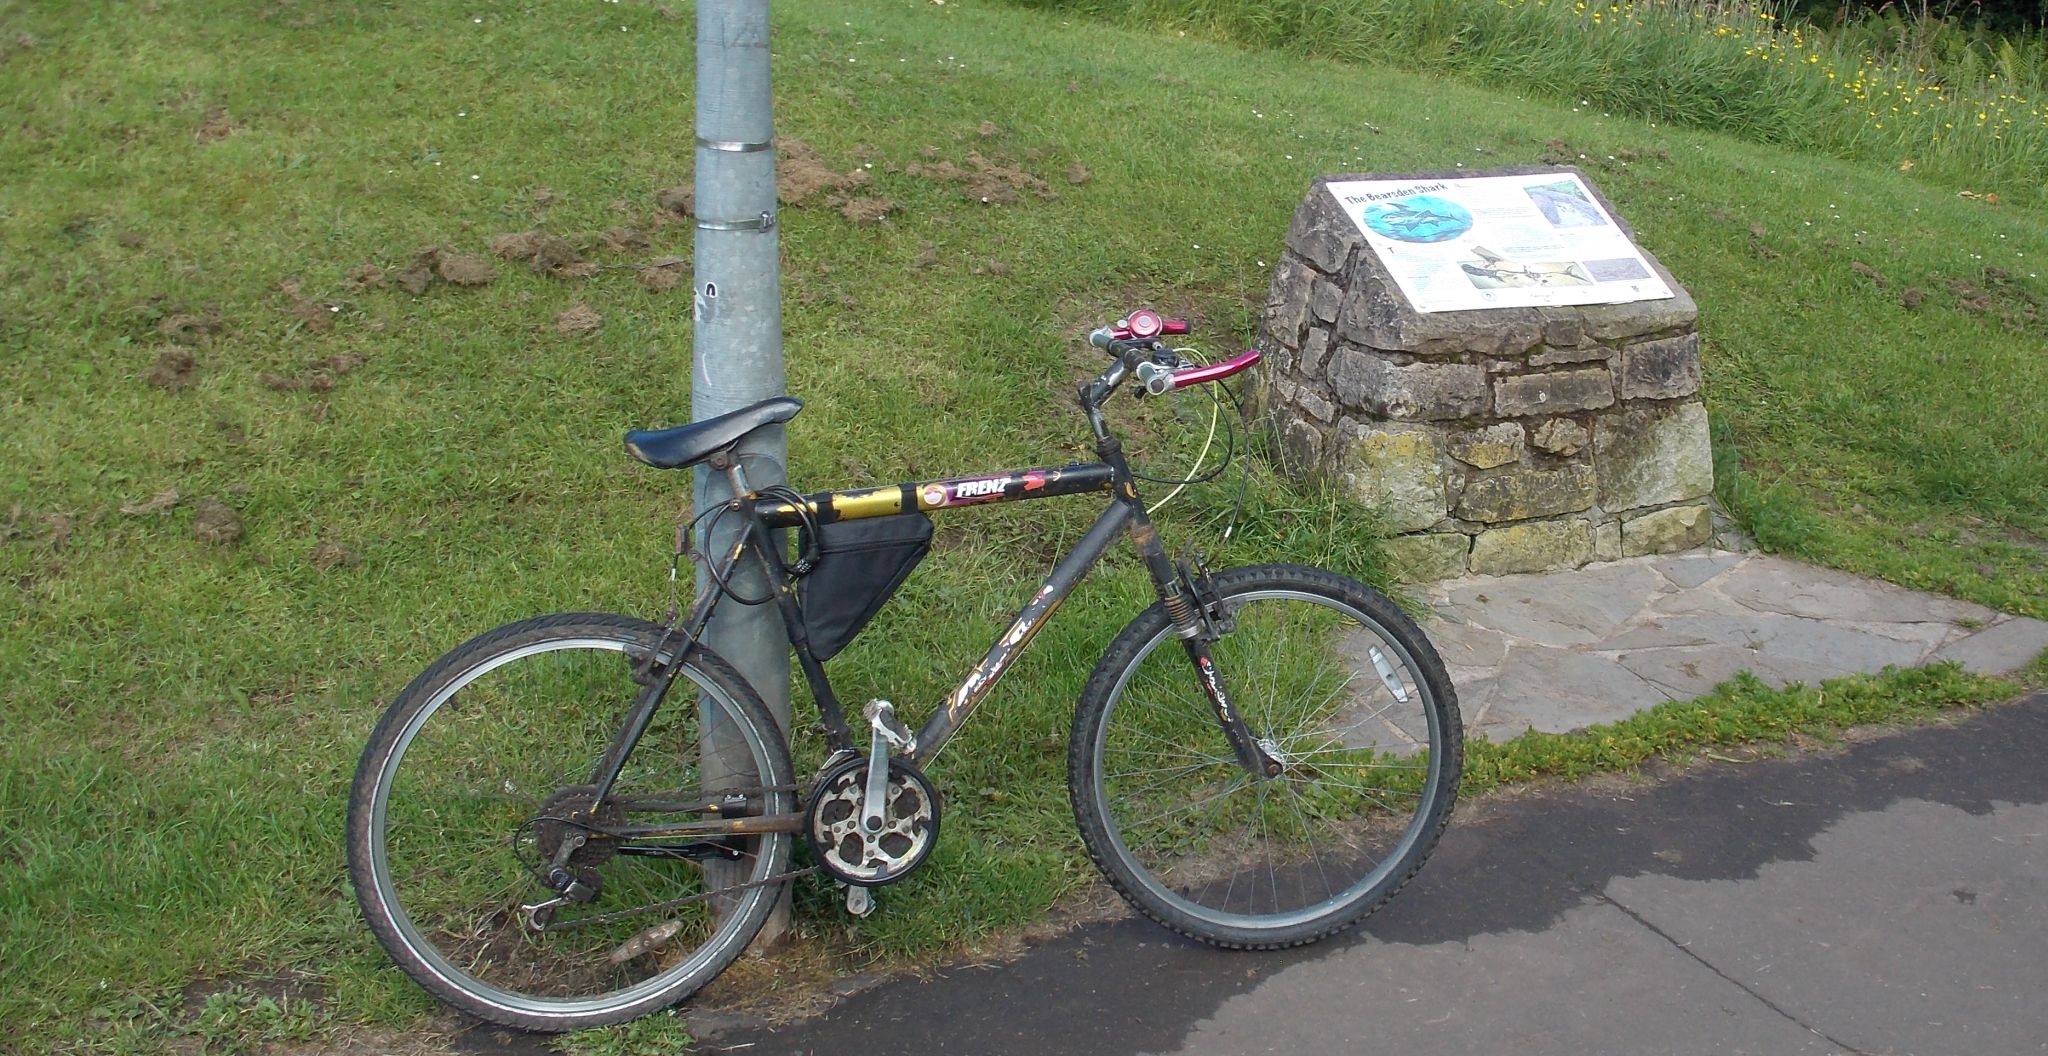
1495, 441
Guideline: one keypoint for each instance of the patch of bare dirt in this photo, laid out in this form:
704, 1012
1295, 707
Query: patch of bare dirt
316, 315
329, 554
927, 255
578, 320
1912, 297
462, 269
343, 362
1969, 296
546, 254
364, 277
801, 174
216, 127
174, 369
990, 182
662, 274
1078, 174
865, 211
215, 522
1757, 245
624, 239
189, 327
680, 200
988, 130
1875, 276
435, 262
2020, 307
416, 278
319, 377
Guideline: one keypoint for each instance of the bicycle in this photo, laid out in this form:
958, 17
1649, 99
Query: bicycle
1260, 759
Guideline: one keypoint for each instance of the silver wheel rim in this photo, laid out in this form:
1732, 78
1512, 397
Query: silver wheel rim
712, 949
1425, 805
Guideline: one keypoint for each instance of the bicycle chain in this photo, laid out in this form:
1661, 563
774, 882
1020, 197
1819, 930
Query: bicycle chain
655, 907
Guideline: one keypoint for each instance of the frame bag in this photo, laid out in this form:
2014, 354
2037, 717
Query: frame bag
860, 564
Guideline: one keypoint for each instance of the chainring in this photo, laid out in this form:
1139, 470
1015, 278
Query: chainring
910, 826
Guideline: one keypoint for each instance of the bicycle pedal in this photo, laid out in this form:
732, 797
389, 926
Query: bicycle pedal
859, 901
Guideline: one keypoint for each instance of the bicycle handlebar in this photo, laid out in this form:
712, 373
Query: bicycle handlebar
1134, 341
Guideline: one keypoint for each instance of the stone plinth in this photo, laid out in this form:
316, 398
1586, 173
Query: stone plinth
1494, 441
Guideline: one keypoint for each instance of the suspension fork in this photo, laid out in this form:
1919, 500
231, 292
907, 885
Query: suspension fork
1189, 622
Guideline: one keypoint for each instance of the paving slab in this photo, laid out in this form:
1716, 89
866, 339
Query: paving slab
1691, 570
1686, 672
1560, 651
1578, 608
1776, 584
2006, 646
1555, 690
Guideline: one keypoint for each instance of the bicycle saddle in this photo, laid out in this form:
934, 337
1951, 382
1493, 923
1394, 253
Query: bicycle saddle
687, 445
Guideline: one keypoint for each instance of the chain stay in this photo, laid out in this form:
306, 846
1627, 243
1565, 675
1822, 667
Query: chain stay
656, 907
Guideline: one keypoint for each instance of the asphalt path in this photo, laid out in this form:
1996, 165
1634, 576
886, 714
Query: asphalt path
1886, 897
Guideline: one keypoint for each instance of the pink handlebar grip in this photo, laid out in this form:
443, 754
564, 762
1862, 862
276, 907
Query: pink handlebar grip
1215, 371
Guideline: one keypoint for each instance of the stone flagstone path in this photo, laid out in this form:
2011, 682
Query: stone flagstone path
1562, 650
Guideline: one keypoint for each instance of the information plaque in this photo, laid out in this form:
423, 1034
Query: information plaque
1498, 242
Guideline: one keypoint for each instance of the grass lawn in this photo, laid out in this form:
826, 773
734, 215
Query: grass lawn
190, 193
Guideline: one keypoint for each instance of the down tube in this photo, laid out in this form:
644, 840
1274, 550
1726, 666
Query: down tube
947, 720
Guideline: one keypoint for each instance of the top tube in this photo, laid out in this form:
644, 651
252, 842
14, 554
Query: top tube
1042, 482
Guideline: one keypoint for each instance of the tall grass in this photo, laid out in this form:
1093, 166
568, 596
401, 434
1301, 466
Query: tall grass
1912, 91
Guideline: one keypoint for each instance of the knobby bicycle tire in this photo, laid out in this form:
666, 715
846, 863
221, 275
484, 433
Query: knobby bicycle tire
454, 963
1342, 687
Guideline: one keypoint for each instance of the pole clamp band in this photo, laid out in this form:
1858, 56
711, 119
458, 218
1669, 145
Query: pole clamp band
733, 146
764, 222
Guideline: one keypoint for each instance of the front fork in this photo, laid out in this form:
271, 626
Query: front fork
1250, 753
1197, 620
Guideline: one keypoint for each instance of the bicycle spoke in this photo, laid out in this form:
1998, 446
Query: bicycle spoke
1358, 763
476, 808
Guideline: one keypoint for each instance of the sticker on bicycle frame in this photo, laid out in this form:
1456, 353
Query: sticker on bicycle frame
1215, 687
962, 492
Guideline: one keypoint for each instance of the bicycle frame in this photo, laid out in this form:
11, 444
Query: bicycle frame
1126, 513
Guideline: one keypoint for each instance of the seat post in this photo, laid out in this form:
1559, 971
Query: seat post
734, 476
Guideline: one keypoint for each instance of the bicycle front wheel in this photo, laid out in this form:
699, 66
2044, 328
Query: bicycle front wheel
478, 784
1338, 686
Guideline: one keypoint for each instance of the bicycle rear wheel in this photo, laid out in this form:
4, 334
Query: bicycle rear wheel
1337, 685
481, 773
